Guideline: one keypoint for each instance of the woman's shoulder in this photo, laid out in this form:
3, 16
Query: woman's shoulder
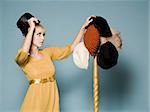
46, 50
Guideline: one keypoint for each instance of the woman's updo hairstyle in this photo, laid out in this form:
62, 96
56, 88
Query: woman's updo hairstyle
22, 23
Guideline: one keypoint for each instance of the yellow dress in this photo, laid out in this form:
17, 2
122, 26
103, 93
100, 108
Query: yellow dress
41, 97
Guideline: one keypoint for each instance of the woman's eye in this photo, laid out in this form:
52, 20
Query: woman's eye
39, 34
44, 34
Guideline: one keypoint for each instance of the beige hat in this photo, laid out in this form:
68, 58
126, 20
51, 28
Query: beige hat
81, 56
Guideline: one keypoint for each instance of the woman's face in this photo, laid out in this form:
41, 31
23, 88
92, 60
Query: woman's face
38, 37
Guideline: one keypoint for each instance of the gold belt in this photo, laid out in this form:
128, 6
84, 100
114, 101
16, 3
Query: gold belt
44, 80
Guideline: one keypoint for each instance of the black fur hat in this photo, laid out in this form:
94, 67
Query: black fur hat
101, 24
107, 56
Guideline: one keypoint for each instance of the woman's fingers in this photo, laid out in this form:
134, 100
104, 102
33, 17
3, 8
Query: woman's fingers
89, 18
33, 19
87, 22
36, 20
32, 22
90, 21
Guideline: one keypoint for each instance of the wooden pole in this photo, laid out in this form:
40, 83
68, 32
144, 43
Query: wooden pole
95, 84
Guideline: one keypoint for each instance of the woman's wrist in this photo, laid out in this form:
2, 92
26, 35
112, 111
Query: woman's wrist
82, 29
31, 29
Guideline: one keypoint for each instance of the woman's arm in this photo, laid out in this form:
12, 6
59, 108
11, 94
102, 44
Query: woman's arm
27, 41
79, 36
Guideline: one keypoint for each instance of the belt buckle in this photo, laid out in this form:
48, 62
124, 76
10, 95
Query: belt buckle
37, 81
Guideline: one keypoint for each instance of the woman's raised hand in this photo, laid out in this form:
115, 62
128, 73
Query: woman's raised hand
32, 22
79, 36
88, 21
28, 39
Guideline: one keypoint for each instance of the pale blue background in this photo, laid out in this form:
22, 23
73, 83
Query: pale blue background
124, 88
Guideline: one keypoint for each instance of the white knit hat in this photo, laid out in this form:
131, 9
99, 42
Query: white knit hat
81, 56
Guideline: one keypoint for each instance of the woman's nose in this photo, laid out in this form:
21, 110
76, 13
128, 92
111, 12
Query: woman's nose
42, 37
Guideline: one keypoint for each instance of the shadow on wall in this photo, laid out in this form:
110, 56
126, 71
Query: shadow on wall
115, 85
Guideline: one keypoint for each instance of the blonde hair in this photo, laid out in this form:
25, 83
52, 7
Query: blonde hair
40, 25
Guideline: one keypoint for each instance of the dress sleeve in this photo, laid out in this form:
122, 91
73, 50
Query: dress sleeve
21, 57
59, 53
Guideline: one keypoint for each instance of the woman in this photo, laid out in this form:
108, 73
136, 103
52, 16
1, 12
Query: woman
42, 94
